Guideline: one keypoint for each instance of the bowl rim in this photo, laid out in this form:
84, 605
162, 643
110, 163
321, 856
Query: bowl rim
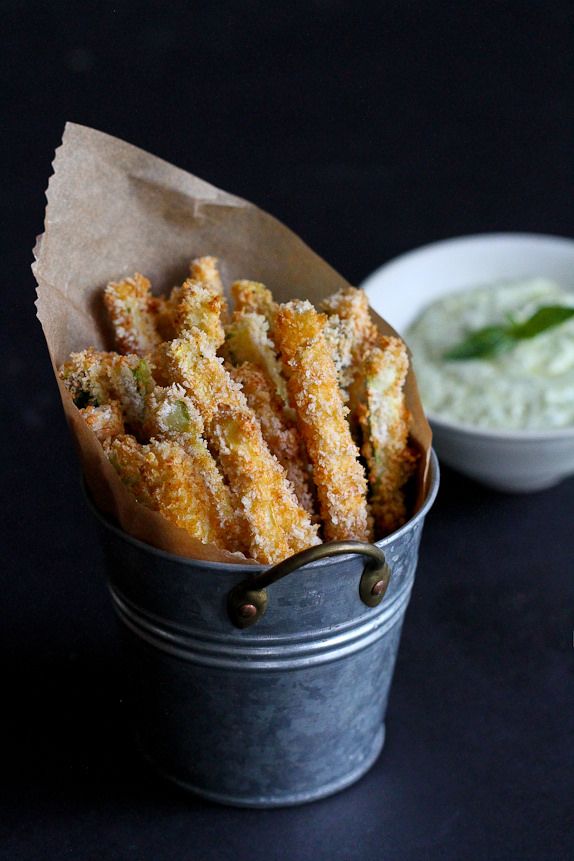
516, 435
471, 238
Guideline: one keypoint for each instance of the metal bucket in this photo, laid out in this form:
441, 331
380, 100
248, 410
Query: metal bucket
258, 689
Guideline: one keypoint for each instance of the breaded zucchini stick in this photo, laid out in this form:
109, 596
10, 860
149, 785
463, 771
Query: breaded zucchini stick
352, 304
200, 308
254, 297
339, 336
171, 415
192, 363
279, 432
247, 340
312, 383
96, 378
132, 311
278, 526
106, 421
384, 419
164, 478
203, 271
87, 376
206, 270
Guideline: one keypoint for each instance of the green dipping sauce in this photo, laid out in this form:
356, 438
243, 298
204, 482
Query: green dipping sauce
530, 387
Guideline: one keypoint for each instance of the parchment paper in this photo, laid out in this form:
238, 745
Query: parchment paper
113, 210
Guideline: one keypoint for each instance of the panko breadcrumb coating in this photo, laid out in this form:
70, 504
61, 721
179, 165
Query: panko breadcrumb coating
106, 421
201, 269
352, 304
237, 448
132, 311
206, 270
171, 415
279, 431
339, 336
384, 419
192, 363
247, 340
351, 307
254, 297
278, 526
312, 383
96, 378
199, 307
164, 478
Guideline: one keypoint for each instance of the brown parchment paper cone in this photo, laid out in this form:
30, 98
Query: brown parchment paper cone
113, 210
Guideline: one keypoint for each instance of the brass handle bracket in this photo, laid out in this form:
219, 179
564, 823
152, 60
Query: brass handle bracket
247, 602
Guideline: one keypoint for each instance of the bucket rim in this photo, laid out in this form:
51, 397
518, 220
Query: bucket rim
253, 568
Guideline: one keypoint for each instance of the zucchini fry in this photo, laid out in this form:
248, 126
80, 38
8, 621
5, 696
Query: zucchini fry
132, 311
106, 421
206, 270
352, 304
339, 336
274, 533
278, 526
191, 362
247, 340
203, 271
199, 307
384, 419
171, 415
254, 297
164, 478
312, 383
95, 378
279, 432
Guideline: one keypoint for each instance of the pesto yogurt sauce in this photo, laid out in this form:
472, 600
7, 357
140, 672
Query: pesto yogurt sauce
530, 387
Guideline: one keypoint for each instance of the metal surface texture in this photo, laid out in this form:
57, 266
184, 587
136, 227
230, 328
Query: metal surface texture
285, 711
248, 601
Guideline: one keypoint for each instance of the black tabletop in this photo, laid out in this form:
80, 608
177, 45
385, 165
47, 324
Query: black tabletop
369, 130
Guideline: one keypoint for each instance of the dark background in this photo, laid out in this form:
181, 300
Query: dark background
369, 130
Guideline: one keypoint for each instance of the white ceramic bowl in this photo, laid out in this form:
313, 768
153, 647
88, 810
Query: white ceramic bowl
399, 290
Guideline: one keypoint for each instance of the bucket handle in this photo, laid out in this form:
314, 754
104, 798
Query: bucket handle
247, 601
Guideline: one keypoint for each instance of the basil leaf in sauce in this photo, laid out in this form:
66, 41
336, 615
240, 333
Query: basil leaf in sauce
545, 318
492, 340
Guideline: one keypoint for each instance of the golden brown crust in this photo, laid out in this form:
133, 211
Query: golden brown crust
247, 340
105, 421
384, 420
312, 383
171, 415
254, 297
95, 378
132, 311
278, 526
192, 363
352, 304
163, 477
279, 432
206, 270
199, 307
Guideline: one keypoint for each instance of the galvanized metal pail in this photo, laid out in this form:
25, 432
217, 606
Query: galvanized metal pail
257, 689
